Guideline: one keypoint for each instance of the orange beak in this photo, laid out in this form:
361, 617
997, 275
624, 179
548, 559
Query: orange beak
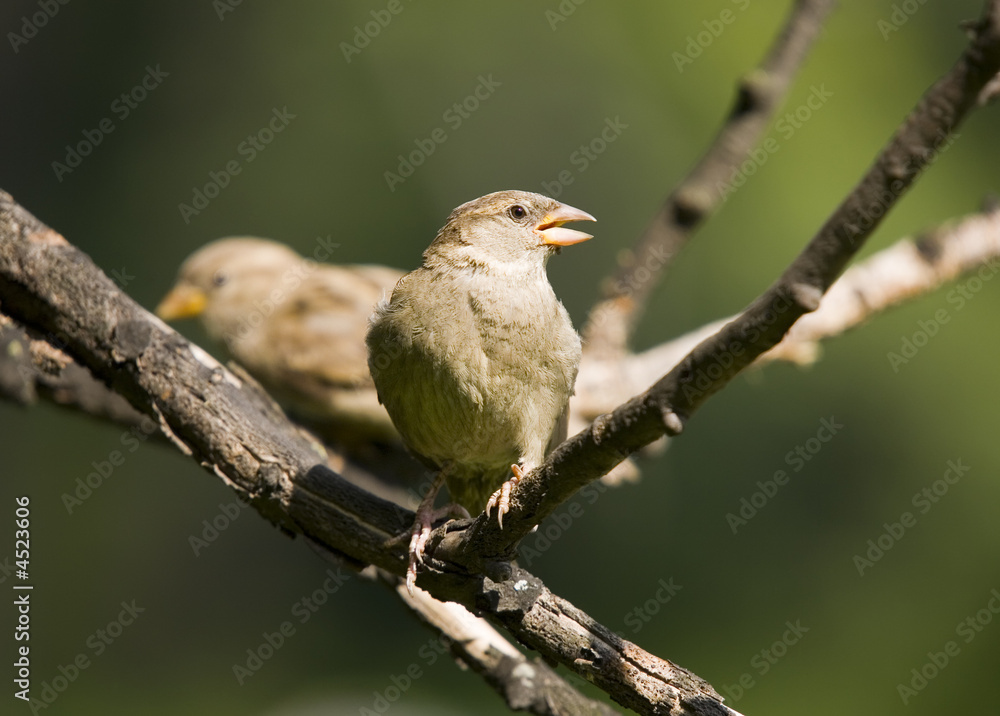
551, 227
183, 301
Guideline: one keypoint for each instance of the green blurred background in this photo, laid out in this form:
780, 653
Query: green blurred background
323, 175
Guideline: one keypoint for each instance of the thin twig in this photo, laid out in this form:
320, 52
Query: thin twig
669, 403
760, 92
206, 411
905, 271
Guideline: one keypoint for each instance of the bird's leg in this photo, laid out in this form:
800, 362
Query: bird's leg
501, 498
421, 530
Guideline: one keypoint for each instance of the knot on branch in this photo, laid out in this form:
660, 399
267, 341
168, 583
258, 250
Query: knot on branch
755, 92
672, 423
132, 338
806, 296
514, 596
691, 204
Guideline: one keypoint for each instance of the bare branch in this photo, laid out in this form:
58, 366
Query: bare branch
238, 434
208, 413
31, 365
907, 270
666, 406
760, 92
525, 685
27, 363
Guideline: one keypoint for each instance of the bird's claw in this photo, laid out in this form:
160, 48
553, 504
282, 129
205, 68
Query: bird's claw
418, 541
421, 533
501, 498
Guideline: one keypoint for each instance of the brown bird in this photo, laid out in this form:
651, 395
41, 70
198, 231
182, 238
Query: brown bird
296, 325
474, 357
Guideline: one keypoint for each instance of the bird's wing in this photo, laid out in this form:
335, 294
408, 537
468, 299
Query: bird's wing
560, 432
320, 329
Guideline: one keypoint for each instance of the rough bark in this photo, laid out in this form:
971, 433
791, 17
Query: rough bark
233, 430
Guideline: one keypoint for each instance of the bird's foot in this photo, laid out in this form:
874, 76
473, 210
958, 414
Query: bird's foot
421, 532
501, 498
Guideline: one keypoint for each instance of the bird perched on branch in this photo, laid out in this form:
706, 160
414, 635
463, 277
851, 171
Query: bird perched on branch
296, 325
474, 357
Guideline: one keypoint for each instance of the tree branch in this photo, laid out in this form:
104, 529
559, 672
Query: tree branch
31, 365
669, 403
907, 270
238, 434
50, 287
627, 291
525, 685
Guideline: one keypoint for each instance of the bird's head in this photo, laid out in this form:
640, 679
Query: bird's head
220, 280
508, 228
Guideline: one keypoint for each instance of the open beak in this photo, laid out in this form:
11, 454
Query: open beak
183, 301
551, 227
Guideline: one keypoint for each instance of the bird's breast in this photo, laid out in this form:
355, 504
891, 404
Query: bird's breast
482, 371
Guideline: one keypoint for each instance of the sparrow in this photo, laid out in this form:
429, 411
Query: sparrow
295, 325
475, 358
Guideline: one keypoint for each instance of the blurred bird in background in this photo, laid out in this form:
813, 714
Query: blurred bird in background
295, 325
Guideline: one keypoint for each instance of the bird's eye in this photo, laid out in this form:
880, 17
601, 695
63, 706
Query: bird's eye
517, 212
219, 279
